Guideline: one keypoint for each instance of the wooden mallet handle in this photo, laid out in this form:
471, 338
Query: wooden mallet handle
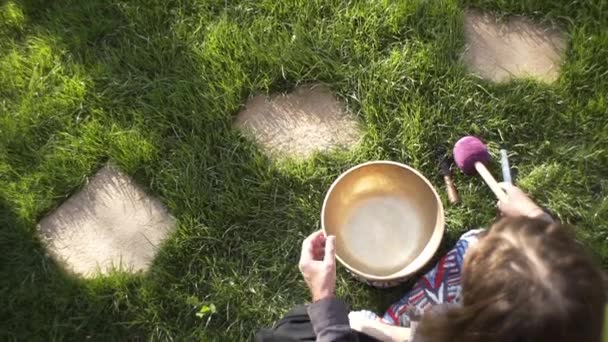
492, 183
452, 192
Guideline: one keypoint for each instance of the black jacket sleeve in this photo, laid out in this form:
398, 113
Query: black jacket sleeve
329, 319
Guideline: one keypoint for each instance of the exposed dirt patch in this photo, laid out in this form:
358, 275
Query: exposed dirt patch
110, 223
501, 50
299, 123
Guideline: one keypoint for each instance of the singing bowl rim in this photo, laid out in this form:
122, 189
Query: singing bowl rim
428, 250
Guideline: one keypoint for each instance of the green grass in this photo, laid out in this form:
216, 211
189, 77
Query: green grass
153, 87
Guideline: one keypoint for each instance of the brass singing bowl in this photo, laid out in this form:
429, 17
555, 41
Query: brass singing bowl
387, 218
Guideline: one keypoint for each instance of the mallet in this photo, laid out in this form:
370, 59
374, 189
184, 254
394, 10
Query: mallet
470, 154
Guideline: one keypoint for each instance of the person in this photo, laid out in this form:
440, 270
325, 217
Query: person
326, 318
525, 279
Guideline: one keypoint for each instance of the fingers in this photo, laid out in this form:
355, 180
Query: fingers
330, 251
513, 194
355, 321
500, 205
312, 238
508, 187
312, 247
511, 189
317, 247
504, 205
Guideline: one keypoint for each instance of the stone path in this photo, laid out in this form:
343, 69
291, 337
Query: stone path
299, 123
499, 51
111, 222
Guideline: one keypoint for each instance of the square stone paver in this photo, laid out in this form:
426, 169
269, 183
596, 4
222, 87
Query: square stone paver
299, 123
110, 223
517, 47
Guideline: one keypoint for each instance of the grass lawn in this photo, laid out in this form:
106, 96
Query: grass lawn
153, 86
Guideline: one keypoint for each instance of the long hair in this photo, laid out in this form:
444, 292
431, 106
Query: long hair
527, 280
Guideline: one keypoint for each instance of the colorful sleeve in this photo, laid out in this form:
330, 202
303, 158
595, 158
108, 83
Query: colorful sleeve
440, 285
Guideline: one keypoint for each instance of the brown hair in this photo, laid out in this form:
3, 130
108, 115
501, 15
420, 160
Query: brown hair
527, 280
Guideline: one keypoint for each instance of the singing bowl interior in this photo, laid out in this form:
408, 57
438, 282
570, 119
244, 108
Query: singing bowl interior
387, 218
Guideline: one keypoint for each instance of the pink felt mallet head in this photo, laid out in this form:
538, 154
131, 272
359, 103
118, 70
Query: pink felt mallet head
471, 155
469, 150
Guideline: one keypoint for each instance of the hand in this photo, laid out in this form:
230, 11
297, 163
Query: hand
377, 329
318, 265
519, 204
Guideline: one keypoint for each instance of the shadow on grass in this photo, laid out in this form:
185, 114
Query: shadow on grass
241, 216
241, 221
41, 300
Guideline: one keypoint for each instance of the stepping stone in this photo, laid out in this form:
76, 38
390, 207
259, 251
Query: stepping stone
110, 223
297, 124
499, 51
